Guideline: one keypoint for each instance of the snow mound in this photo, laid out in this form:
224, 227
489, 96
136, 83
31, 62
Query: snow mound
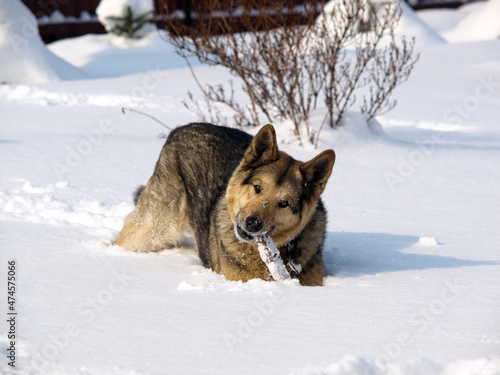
428, 241
441, 19
185, 286
480, 24
23, 55
354, 128
118, 8
411, 25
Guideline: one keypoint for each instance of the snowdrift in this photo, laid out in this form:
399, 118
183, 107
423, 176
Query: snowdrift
23, 55
482, 23
411, 25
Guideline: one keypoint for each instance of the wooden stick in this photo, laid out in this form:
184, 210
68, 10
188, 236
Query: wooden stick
271, 257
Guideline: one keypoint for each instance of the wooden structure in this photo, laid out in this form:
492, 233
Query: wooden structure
60, 19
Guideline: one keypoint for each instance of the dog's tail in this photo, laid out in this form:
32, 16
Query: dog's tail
137, 193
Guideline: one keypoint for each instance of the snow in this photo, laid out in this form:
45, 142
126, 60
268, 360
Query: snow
441, 19
411, 25
118, 8
480, 24
58, 17
428, 241
471, 22
354, 366
411, 253
23, 55
107, 55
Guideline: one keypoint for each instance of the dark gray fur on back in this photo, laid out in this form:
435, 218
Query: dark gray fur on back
206, 156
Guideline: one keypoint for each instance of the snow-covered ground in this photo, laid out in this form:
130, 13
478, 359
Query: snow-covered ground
412, 251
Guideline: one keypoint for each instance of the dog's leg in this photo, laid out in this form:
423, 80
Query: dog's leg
136, 234
314, 275
158, 221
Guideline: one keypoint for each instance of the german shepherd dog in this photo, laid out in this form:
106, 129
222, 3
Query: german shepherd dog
228, 188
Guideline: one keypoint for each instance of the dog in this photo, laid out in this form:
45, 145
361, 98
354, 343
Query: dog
227, 188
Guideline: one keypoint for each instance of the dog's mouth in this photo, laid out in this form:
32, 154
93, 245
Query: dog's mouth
242, 234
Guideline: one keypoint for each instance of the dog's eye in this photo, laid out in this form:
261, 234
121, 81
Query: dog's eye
283, 204
257, 188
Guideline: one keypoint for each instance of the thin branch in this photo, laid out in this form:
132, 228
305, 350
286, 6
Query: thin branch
147, 115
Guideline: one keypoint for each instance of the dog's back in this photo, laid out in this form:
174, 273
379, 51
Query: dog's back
206, 155
193, 170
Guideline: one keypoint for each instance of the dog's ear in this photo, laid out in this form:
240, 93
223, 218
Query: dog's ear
317, 171
263, 148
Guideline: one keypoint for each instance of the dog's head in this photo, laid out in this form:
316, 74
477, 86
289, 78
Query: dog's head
272, 192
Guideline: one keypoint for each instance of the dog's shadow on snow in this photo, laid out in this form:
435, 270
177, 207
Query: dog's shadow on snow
354, 254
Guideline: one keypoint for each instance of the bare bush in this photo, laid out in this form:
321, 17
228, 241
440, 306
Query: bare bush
391, 66
289, 58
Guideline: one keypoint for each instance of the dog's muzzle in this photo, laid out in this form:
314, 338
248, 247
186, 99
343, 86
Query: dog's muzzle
241, 234
250, 228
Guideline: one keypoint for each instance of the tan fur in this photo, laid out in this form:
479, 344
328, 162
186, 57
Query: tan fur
150, 227
248, 254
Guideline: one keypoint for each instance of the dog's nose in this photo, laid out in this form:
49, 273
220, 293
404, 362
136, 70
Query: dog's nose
253, 224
